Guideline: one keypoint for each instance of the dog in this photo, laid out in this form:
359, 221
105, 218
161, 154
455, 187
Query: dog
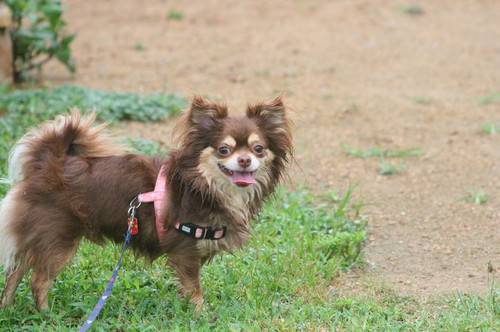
69, 181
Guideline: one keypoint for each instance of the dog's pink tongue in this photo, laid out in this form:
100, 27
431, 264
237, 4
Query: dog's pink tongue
243, 178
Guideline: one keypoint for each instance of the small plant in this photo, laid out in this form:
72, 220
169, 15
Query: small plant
139, 47
144, 146
413, 10
38, 36
175, 15
388, 168
489, 99
422, 101
478, 196
376, 152
491, 128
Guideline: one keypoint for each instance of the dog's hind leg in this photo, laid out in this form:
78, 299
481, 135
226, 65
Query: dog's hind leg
12, 279
48, 270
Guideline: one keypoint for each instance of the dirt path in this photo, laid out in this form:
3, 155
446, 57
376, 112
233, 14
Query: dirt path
358, 72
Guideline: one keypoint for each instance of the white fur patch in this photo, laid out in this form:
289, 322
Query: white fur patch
17, 158
232, 163
8, 243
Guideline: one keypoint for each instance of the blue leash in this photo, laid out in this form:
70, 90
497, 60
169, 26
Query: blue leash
105, 296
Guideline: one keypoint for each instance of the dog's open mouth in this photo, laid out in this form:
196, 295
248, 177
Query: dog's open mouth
241, 179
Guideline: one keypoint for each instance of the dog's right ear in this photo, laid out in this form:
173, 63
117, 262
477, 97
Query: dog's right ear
203, 112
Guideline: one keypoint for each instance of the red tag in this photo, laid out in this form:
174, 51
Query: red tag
135, 229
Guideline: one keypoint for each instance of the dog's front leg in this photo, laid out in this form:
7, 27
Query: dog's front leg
187, 269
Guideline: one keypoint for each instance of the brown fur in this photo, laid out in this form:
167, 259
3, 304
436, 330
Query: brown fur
74, 183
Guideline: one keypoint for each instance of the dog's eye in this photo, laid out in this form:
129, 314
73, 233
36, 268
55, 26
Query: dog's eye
224, 150
258, 148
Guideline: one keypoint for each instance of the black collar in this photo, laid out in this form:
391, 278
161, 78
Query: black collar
201, 233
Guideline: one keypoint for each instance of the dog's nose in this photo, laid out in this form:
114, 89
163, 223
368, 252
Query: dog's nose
244, 161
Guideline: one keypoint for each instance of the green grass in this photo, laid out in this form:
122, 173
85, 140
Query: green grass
477, 196
491, 128
280, 280
175, 15
495, 97
377, 152
413, 10
140, 47
387, 168
422, 101
144, 146
111, 106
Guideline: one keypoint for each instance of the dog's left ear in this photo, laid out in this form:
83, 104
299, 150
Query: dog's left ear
272, 117
269, 114
204, 113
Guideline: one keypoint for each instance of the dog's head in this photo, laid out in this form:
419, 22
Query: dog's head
240, 150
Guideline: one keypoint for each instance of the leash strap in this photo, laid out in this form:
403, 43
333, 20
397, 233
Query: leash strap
104, 298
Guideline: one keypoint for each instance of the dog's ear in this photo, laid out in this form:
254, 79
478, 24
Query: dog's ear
270, 114
204, 113
272, 117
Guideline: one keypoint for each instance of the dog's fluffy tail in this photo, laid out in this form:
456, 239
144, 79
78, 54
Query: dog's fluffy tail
53, 141
41, 153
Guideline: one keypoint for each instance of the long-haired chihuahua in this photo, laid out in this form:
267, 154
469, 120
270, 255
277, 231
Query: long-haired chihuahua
69, 181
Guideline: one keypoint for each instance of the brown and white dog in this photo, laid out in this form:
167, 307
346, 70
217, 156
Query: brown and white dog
70, 181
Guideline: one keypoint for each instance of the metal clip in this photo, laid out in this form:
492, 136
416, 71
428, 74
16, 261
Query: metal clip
132, 209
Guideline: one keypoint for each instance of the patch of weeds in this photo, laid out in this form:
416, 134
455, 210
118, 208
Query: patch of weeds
422, 101
145, 146
413, 10
387, 168
376, 152
140, 47
175, 15
489, 99
491, 128
111, 106
477, 196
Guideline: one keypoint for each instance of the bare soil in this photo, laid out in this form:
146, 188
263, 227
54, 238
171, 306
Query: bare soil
357, 72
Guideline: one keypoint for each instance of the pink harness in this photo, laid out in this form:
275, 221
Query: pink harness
157, 196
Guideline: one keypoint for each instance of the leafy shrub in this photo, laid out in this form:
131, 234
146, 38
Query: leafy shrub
144, 146
111, 106
37, 36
